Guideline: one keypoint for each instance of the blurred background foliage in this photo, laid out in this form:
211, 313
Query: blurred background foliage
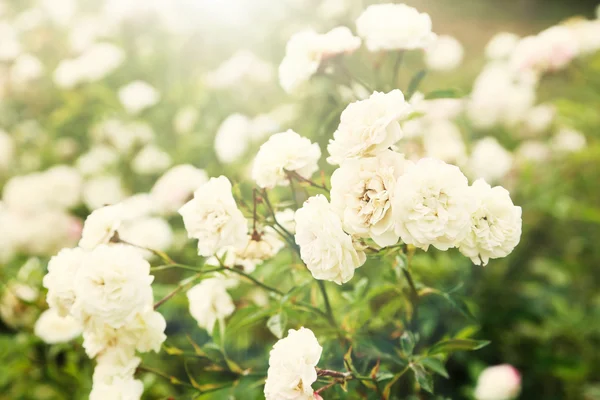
539, 307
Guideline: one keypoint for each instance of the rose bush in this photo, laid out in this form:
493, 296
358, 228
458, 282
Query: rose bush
182, 217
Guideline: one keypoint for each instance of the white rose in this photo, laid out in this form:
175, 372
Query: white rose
7, 150
361, 194
495, 224
103, 190
138, 206
53, 328
137, 96
306, 50
258, 248
292, 366
587, 33
185, 119
151, 160
97, 160
113, 286
213, 217
539, 118
99, 60
25, 69
65, 185
144, 333
432, 205
513, 96
176, 186
444, 54
119, 389
122, 136
285, 151
101, 225
148, 232
501, 382
550, 50
325, 248
489, 160
44, 233
262, 126
10, 47
242, 66
533, 150
210, 302
232, 138
25, 193
501, 46
442, 139
568, 140
113, 365
67, 74
60, 279
394, 27
369, 126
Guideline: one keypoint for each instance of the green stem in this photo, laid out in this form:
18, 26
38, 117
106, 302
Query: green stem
396, 69
327, 304
414, 296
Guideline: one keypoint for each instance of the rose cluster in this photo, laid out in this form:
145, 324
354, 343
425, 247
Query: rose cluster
105, 288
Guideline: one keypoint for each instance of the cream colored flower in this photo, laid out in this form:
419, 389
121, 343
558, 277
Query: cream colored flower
138, 95
500, 382
53, 328
60, 279
210, 302
325, 248
307, 49
432, 205
176, 186
495, 224
361, 194
113, 286
292, 365
489, 160
101, 225
285, 151
213, 218
394, 27
444, 54
368, 127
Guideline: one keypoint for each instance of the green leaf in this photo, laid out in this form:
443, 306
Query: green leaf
436, 365
277, 324
348, 360
415, 82
172, 351
424, 379
443, 94
452, 345
407, 343
460, 305
384, 376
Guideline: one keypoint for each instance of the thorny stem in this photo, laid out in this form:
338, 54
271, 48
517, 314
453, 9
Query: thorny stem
300, 178
249, 277
164, 256
172, 379
348, 74
272, 212
183, 285
293, 189
340, 377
